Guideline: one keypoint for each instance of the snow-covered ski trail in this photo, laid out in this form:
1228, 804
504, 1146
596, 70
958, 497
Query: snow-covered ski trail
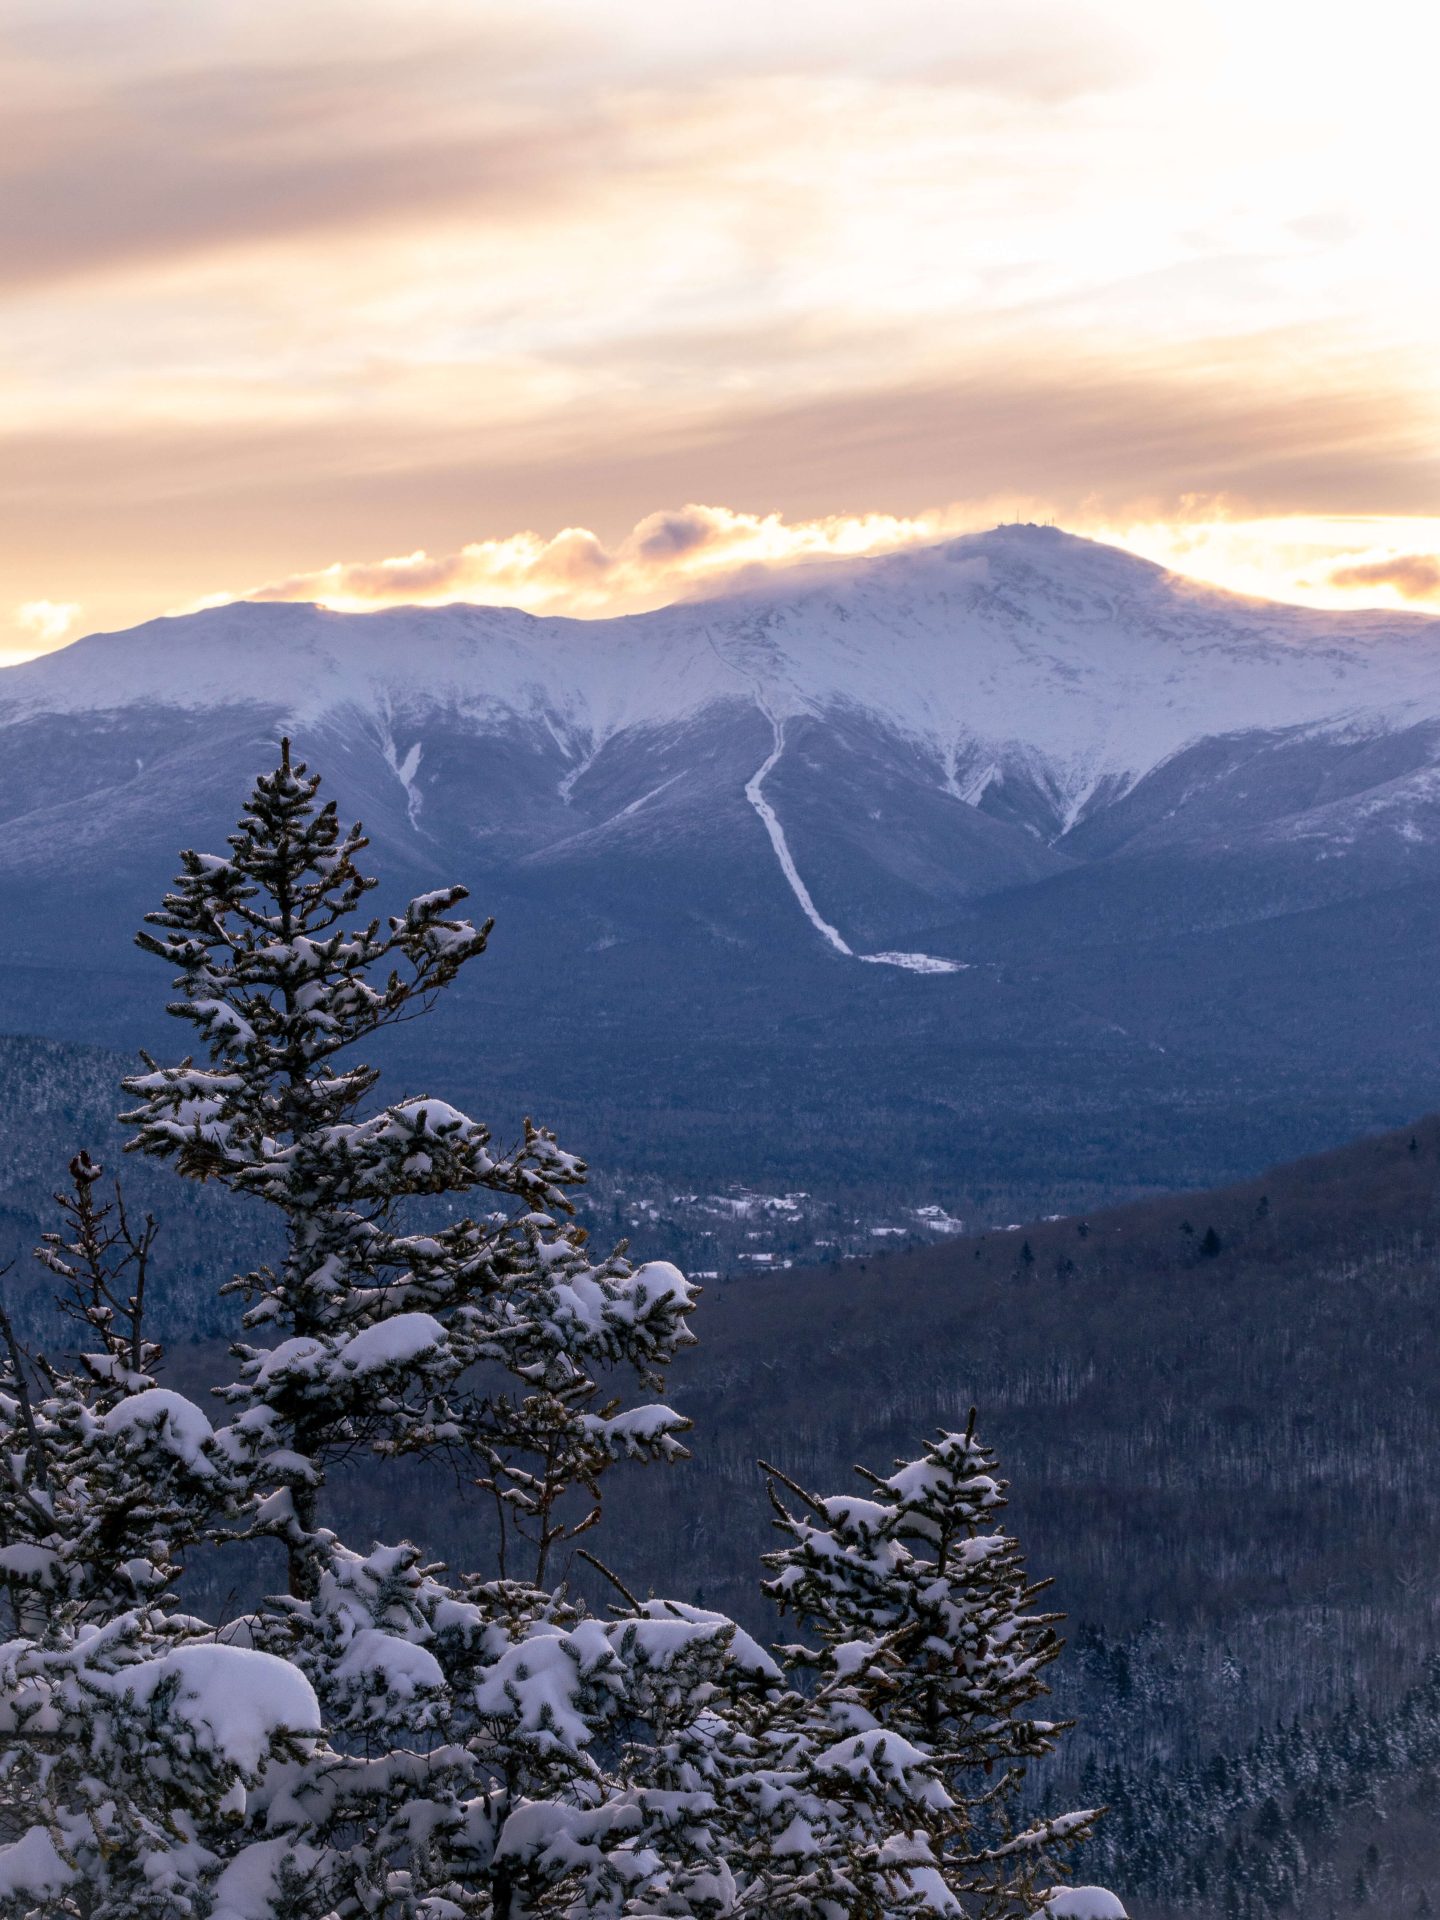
404, 769
755, 794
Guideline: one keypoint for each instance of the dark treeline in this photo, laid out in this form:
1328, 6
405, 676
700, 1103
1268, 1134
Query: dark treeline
55, 1098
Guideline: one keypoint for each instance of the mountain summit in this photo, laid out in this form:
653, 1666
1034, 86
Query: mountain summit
1003, 815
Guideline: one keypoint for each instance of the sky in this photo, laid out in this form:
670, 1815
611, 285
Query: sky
578, 305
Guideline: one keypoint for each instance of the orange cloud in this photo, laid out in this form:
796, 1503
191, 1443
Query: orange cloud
694, 551
666, 556
1414, 576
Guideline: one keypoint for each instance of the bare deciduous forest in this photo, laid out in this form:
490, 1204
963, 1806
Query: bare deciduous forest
1217, 1414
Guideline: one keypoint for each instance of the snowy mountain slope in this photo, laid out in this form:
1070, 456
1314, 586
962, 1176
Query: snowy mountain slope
1022, 675
1097, 663
1041, 786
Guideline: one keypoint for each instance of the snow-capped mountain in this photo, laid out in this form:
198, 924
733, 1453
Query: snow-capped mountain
1058, 802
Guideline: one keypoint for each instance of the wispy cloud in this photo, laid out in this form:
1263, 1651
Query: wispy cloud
158, 170
379, 121
1414, 576
46, 622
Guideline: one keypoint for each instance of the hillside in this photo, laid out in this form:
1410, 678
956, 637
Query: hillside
1302, 1340
1227, 1460
1217, 1412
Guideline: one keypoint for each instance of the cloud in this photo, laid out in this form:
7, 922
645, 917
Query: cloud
1227, 420
46, 622
162, 166
195, 163
666, 556
667, 535
695, 551
133, 517
1049, 59
1414, 576
1247, 419
407, 121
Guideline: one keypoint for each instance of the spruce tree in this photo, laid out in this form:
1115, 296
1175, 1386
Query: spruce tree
383, 1318
921, 1616
465, 1716
129, 1739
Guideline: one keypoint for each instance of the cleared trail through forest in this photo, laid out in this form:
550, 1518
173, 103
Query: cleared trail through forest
770, 820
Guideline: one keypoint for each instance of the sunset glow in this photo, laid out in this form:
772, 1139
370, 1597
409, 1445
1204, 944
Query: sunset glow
289, 291
697, 549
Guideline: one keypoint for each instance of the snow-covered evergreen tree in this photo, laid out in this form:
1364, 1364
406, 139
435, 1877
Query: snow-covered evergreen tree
468, 1717
925, 1640
128, 1738
383, 1317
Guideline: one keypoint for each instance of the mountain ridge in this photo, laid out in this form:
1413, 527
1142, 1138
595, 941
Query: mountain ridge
864, 633
1020, 834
